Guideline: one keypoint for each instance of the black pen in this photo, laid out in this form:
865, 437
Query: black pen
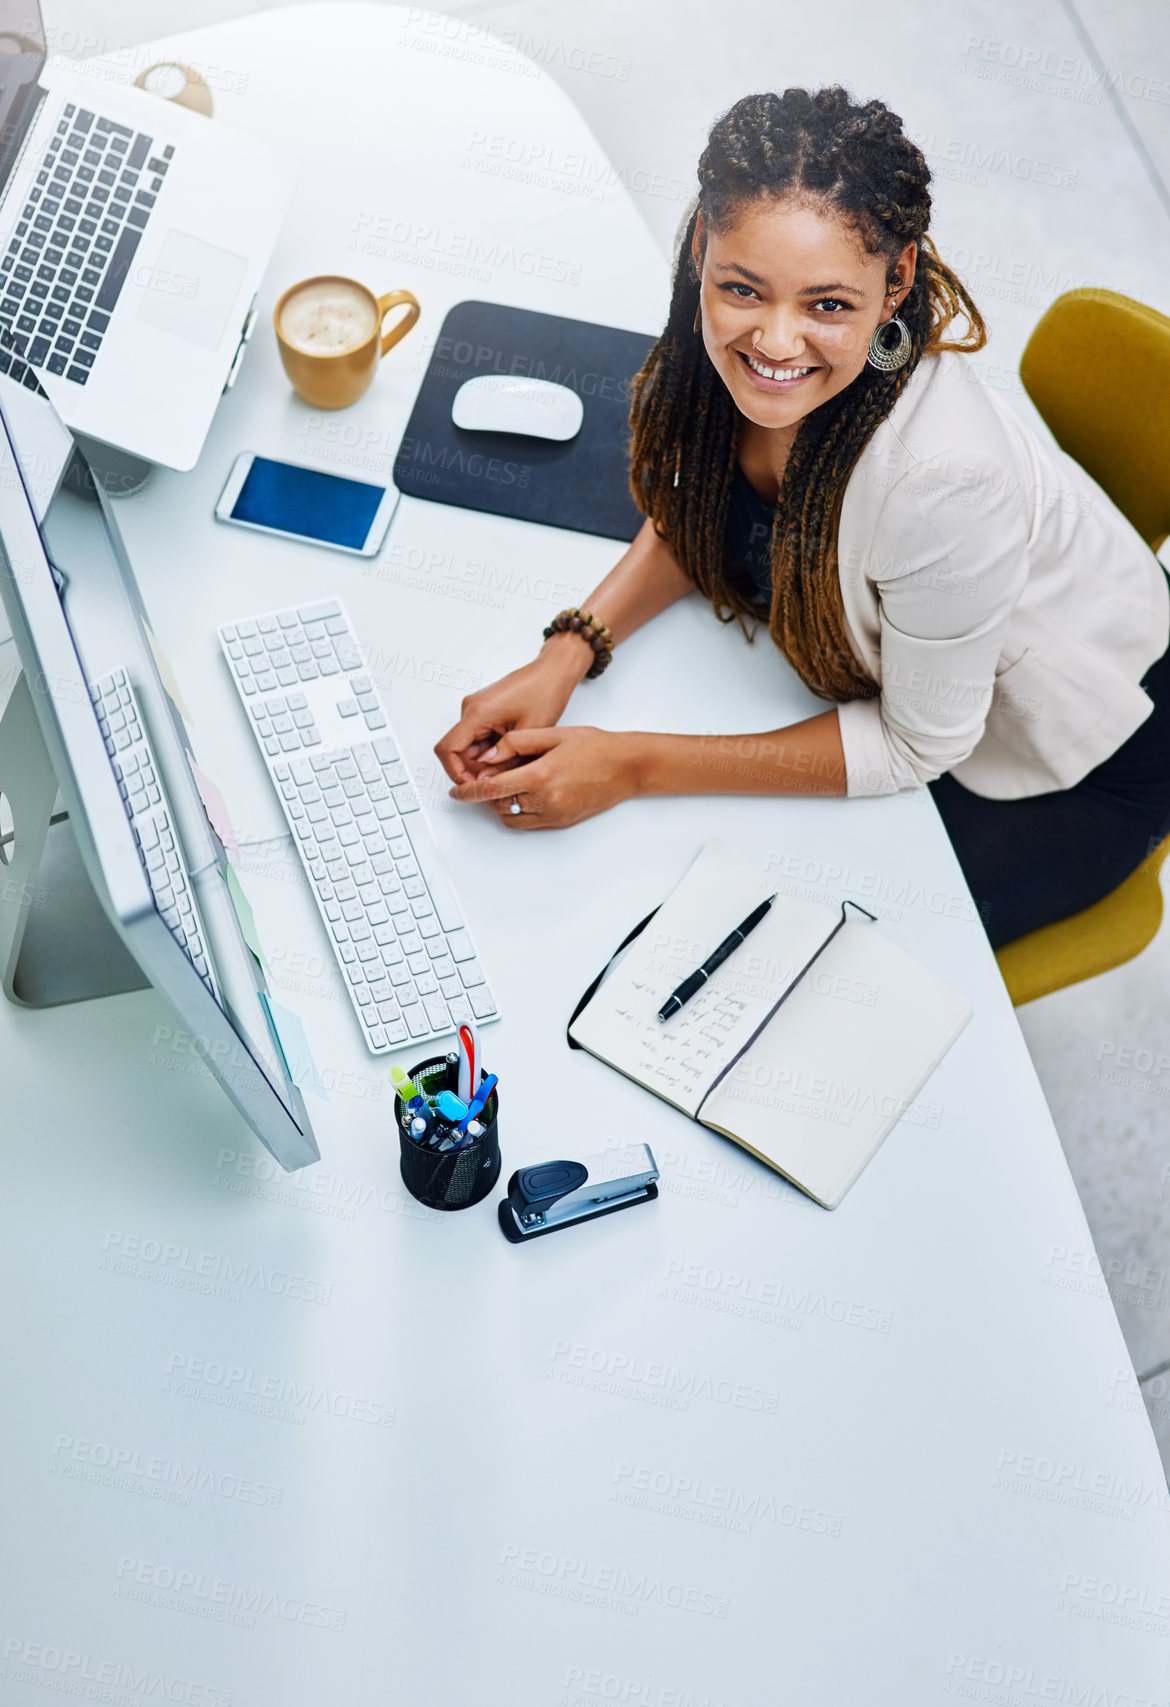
695, 982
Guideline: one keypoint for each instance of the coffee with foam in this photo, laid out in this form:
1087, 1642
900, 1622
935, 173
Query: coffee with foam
328, 317
332, 333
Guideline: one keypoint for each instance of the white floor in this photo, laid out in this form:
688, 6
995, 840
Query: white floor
1047, 123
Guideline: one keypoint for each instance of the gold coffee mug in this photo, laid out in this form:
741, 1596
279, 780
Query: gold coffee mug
334, 377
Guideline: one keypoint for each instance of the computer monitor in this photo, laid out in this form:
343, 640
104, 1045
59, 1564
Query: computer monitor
78, 916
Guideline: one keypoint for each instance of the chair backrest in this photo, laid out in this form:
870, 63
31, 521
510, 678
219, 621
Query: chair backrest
1097, 367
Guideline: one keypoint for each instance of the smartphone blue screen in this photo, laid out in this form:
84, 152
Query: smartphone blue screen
303, 500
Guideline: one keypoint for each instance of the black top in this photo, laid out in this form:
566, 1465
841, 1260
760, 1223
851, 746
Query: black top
749, 540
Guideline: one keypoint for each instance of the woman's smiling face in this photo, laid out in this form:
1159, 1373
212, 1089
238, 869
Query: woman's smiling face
790, 298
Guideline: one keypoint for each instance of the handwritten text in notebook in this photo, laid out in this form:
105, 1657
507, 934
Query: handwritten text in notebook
681, 1057
819, 1082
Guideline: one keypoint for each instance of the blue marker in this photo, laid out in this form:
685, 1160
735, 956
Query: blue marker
451, 1107
478, 1101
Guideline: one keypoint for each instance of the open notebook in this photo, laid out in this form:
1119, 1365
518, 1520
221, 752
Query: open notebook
806, 1045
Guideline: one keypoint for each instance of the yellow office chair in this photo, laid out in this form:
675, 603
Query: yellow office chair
1097, 367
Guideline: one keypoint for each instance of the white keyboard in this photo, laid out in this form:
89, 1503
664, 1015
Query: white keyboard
136, 769
394, 922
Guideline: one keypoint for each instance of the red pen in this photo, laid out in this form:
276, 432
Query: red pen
468, 1062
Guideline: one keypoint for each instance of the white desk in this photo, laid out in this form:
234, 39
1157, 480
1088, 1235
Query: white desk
727, 1448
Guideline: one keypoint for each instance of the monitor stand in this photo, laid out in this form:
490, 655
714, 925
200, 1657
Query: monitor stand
56, 943
119, 474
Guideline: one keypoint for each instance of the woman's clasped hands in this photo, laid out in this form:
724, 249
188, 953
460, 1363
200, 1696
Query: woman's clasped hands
507, 751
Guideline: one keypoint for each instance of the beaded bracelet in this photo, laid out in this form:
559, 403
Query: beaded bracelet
588, 627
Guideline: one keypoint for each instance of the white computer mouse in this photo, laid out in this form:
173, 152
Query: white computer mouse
508, 403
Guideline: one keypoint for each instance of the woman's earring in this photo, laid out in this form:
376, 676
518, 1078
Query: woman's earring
888, 358
698, 318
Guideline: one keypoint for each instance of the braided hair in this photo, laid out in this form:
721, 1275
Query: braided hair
854, 160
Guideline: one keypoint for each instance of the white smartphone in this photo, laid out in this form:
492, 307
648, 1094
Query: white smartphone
307, 504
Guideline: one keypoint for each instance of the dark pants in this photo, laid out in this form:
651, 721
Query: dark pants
1030, 862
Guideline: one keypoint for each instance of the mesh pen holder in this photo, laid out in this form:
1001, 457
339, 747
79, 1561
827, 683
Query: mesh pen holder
451, 1179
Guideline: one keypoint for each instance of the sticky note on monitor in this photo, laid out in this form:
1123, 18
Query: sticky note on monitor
245, 915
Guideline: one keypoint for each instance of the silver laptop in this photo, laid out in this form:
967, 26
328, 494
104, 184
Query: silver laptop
133, 237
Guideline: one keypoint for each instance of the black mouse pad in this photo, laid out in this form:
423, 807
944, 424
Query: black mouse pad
580, 483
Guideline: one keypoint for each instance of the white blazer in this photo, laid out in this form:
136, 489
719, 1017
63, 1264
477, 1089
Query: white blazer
1003, 603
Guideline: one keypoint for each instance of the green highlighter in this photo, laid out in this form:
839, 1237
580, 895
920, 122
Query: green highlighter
407, 1089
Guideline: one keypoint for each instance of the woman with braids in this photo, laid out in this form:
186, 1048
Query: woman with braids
808, 454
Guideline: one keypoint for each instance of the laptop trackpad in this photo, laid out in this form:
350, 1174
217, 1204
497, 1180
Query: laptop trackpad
192, 289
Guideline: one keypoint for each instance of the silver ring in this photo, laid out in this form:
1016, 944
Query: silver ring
515, 809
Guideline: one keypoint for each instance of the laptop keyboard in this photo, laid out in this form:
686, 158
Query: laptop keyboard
74, 243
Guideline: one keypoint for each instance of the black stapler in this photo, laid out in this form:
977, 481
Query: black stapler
552, 1195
